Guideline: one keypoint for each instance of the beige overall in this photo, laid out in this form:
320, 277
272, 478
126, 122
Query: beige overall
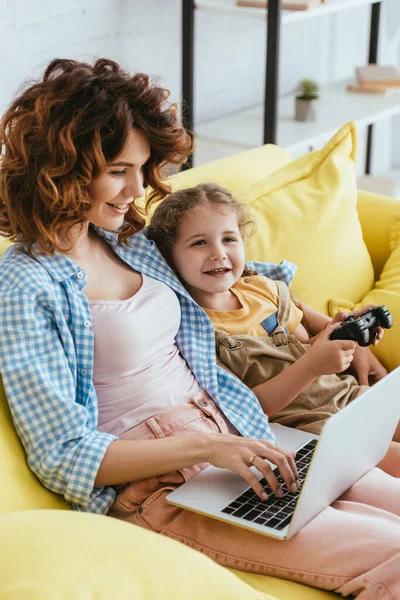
255, 359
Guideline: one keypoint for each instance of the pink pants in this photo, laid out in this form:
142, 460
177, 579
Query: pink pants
352, 547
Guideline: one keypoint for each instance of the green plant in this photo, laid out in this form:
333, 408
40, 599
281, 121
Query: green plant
307, 90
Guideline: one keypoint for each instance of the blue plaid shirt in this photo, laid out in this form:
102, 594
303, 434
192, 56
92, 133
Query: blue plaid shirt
46, 362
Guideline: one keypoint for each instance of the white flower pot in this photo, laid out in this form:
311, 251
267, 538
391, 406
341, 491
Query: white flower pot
306, 109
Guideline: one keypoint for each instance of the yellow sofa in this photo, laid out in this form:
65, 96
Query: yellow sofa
47, 552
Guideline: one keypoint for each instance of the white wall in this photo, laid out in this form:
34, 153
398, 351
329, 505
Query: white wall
230, 51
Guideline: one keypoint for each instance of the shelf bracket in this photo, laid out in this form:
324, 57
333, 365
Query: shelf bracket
272, 71
372, 59
188, 8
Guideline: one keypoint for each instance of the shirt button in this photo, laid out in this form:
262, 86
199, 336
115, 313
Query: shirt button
202, 403
84, 371
80, 274
86, 323
247, 280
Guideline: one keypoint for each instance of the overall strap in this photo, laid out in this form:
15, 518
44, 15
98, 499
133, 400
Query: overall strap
224, 339
279, 335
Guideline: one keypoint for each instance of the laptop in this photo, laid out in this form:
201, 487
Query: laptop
351, 443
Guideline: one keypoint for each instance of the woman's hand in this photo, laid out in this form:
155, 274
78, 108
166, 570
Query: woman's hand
239, 454
326, 356
366, 367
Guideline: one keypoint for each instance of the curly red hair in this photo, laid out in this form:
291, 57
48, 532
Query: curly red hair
59, 134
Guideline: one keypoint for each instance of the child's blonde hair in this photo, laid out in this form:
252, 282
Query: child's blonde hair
168, 215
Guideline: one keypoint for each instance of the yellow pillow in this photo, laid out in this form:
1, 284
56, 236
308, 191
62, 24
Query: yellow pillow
307, 213
240, 169
57, 555
386, 291
230, 172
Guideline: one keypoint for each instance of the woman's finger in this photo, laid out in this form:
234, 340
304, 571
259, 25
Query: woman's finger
290, 458
286, 465
265, 468
253, 482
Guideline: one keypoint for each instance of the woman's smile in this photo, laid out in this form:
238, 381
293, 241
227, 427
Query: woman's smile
121, 209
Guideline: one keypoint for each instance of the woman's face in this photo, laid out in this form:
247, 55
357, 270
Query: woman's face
120, 184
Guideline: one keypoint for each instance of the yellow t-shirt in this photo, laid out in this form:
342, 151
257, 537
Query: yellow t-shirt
259, 298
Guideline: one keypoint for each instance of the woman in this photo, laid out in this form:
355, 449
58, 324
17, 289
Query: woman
105, 404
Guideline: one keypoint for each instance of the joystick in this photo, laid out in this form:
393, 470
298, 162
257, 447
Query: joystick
363, 329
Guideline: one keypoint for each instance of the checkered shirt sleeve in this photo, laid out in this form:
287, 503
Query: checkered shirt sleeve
39, 366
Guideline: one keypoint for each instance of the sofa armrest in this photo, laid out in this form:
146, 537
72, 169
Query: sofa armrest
378, 215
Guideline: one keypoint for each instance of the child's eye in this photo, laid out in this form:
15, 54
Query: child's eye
198, 243
229, 239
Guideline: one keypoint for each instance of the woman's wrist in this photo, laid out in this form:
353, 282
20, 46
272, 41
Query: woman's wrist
132, 460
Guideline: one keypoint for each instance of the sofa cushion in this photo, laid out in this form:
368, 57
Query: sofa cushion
22, 490
306, 212
56, 555
386, 291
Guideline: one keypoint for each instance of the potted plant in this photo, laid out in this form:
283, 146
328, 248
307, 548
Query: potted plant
306, 99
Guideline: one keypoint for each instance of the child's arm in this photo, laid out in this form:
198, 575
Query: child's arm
325, 357
315, 320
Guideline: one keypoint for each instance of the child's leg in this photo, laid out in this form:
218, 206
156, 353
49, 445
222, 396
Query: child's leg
391, 463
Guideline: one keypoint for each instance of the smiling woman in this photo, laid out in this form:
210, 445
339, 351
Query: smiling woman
63, 134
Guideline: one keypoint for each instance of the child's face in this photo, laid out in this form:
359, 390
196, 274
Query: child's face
208, 252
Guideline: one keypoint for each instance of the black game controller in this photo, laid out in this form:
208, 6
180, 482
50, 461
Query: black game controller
363, 329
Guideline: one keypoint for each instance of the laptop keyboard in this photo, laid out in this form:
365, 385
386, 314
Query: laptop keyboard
274, 512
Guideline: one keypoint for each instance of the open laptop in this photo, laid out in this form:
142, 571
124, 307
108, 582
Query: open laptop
352, 442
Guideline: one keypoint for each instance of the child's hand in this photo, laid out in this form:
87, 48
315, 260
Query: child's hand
342, 316
327, 356
380, 331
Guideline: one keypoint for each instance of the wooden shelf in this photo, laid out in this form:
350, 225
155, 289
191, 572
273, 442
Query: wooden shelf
229, 7
335, 106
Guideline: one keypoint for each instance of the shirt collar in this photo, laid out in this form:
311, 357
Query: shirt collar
59, 266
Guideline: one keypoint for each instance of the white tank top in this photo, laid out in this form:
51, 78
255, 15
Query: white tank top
138, 370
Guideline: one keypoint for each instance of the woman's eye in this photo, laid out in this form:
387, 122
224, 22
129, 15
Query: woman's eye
118, 173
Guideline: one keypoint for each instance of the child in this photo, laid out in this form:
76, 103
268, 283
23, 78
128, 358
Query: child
262, 334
